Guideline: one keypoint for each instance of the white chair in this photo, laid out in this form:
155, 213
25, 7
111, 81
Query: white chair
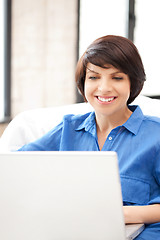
32, 124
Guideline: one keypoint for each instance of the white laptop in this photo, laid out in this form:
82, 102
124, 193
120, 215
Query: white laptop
61, 196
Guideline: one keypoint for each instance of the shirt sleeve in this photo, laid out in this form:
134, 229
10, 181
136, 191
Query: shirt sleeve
49, 142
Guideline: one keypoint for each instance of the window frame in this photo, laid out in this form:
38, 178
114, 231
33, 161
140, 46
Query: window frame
6, 41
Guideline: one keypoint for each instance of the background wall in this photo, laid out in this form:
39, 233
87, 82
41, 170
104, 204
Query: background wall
44, 54
44, 46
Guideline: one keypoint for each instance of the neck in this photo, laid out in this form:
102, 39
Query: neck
106, 123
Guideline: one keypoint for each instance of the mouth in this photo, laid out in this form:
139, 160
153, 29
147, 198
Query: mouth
106, 99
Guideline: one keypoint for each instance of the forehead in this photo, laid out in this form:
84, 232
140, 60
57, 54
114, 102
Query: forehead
94, 68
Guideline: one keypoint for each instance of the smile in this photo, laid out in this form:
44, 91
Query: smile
106, 99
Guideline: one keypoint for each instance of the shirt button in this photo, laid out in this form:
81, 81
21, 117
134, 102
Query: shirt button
110, 138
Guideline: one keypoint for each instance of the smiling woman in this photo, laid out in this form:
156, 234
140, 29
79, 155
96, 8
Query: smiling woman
107, 90
110, 75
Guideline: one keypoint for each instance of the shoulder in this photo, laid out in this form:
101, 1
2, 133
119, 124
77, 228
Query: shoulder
52, 139
76, 119
150, 127
140, 123
139, 117
72, 122
152, 120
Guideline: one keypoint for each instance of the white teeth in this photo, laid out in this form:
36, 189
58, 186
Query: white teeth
105, 99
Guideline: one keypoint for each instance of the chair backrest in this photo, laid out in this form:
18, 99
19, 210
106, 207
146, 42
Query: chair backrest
29, 125
32, 124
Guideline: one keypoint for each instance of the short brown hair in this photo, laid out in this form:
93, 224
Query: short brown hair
119, 52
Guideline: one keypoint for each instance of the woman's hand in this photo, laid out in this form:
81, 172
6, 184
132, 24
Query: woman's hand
142, 214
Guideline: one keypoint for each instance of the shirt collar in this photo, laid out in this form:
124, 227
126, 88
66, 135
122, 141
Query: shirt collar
134, 122
88, 123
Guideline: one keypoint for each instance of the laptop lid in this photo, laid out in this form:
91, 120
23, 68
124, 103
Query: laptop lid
61, 196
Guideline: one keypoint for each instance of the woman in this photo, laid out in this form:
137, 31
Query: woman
110, 75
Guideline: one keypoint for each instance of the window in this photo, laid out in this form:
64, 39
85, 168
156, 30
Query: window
147, 40
101, 17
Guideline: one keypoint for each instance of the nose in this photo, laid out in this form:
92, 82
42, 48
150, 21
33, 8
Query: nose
105, 85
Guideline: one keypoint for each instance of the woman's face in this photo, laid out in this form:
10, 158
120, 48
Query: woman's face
107, 89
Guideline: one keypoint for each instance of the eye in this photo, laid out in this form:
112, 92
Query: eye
118, 78
93, 78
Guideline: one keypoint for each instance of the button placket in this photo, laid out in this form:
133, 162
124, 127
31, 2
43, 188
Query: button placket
110, 139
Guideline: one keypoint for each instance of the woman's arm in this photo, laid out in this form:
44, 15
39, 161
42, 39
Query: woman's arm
142, 214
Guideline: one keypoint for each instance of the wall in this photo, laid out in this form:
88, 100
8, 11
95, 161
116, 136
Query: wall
44, 47
44, 41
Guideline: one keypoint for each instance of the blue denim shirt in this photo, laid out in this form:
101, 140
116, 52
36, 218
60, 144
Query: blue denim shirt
137, 143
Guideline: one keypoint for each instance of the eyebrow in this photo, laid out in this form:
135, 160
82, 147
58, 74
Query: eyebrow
90, 70
117, 72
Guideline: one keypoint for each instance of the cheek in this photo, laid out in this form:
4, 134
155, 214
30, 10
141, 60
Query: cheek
124, 91
126, 88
